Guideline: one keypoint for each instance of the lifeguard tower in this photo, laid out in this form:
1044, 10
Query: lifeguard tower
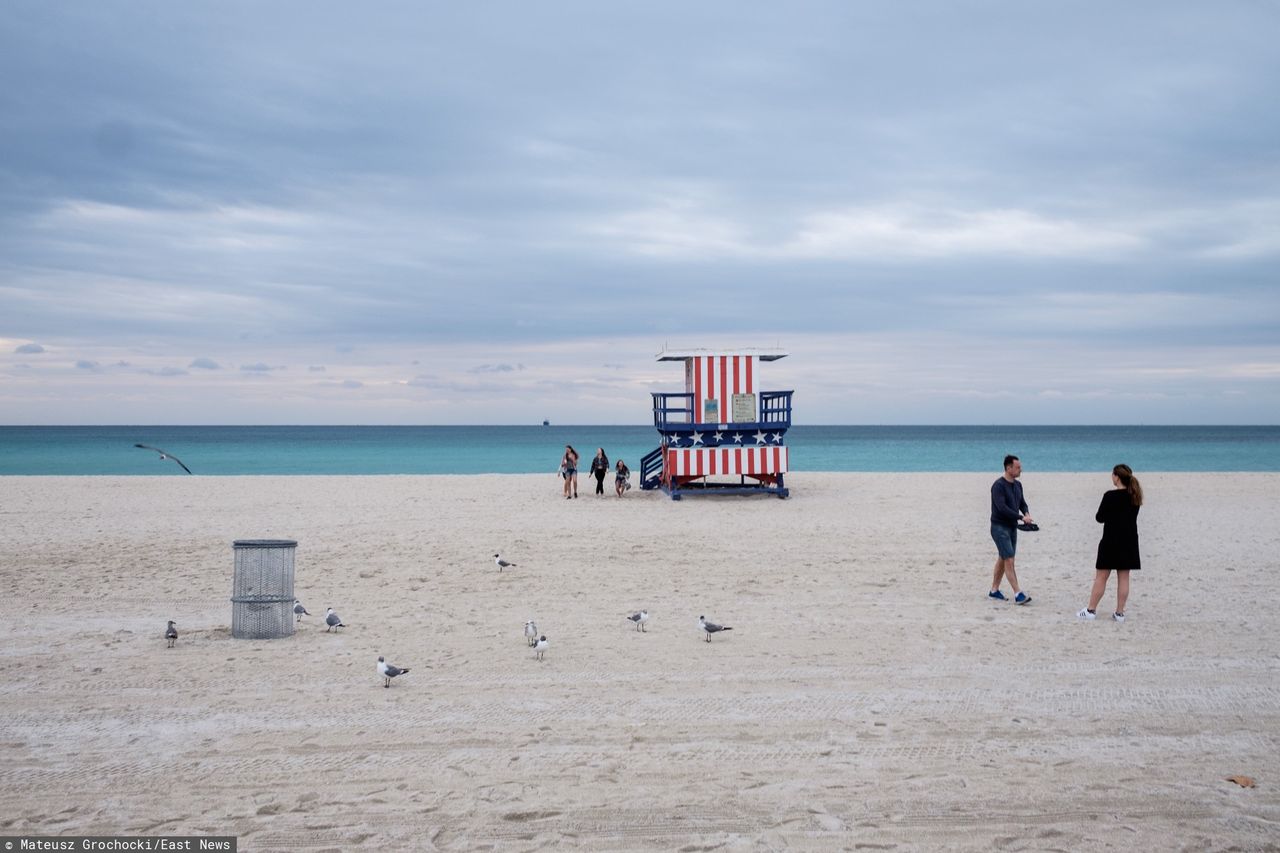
719, 427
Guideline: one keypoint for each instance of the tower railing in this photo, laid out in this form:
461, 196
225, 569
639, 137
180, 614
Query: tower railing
775, 408
674, 411
651, 469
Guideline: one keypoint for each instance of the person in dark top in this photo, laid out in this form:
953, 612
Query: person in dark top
622, 475
1118, 549
1008, 508
600, 467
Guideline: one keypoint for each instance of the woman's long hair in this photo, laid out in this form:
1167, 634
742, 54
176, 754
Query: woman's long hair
1125, 475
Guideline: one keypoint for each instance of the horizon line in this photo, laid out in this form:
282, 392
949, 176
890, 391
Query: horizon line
598, 425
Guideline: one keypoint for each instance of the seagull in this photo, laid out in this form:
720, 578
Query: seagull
709, 628
640, 618
171, 634
540, 647
501, 563
531, 632
299, 610
388, 672
332, 620
164, 455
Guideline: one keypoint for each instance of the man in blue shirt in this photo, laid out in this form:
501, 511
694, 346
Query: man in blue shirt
1008, 508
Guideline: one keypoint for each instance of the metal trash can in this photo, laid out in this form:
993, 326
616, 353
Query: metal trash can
262, 592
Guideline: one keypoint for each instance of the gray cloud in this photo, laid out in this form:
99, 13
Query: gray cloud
460, 385
29, 349
85, 364
346, 187
497, 368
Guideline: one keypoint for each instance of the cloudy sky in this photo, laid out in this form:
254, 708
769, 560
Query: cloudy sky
419, 212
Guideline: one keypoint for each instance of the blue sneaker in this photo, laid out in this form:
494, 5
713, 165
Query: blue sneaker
1022, 598
997, 595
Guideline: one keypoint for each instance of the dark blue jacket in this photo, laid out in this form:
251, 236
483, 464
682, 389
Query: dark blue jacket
1006, 502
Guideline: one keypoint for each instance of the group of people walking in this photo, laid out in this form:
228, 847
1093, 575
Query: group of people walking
599, 469
1117, 550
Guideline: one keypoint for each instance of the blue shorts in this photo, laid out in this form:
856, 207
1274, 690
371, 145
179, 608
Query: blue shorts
1006, 539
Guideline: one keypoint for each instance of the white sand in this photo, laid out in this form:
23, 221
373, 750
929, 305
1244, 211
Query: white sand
871, 697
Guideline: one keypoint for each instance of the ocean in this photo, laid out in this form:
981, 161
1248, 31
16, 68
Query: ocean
239, 450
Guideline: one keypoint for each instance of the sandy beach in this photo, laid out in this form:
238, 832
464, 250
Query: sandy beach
869, 696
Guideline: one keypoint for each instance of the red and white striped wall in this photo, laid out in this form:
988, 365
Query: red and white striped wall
711, 461
718, 377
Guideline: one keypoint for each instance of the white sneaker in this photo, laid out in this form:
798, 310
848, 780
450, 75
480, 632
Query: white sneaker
1119, 617
1085, 616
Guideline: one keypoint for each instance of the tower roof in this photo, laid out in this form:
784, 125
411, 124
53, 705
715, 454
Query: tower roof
762, 353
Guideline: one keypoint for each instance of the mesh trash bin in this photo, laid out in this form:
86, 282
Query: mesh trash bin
262, 592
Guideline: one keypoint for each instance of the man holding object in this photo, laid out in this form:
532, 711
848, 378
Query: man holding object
1008, 509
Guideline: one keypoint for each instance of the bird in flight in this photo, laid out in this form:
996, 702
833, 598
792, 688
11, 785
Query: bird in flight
164, 455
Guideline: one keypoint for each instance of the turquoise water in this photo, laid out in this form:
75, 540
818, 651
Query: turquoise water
234, 450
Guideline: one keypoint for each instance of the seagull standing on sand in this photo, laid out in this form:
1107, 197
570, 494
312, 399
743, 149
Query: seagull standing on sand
709, 628
164, 455
171, 634
299, 610
540, 647
388, 672
640, 618
530, 632
332, 620
501, 563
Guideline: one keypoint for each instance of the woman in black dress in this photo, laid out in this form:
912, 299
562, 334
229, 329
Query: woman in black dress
1118, 550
